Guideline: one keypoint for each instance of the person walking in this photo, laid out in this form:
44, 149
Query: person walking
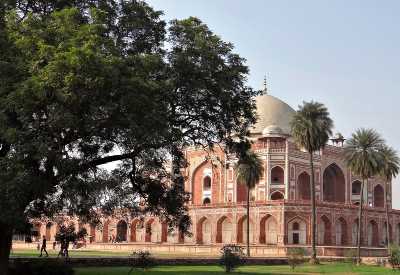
43, 248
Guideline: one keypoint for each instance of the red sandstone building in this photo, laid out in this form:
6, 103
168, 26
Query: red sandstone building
280, 214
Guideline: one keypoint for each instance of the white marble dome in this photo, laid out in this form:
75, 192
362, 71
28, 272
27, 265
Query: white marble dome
273, 115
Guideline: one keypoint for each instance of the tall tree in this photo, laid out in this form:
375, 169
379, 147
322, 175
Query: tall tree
311, 128
249, 170
87, 83
363, 157
389, 170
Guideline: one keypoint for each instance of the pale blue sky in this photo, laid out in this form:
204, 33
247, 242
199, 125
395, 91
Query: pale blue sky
343, 53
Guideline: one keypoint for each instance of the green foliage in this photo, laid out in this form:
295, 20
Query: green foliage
87, 83
249, 169
41, 268
231, 257
394, 256
311, 126
296, 256
141, 260
69, 234
363, 153
390, 163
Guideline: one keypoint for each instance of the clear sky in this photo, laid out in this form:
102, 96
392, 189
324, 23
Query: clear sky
345, 54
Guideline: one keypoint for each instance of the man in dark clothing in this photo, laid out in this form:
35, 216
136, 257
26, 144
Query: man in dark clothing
43, 248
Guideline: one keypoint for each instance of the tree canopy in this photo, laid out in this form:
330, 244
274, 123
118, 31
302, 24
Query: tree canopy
87, 83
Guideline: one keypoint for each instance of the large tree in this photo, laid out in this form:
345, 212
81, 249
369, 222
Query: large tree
389, 168
364, 159
88, 83
249, 170
311, 128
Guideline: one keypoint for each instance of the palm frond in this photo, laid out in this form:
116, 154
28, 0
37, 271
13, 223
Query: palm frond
249, 169
311, 126
390, 163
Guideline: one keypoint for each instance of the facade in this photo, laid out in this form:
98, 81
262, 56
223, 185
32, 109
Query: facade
280, 214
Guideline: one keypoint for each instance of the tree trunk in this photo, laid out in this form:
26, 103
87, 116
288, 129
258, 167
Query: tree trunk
5, 247
387, 218
248, 222
313, 259
359, 229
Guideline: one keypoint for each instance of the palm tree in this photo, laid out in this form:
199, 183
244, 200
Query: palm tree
311, 128
363, 157
249, 171
389, 170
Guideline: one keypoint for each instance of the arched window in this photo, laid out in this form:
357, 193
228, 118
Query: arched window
206, 201
277, 176
303, 187
207, 183
379, 199
334, 184
276, 196
356, 188
296, 226
297, 232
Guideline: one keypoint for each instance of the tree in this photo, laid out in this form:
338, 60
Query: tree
249, 170
363, 157
89, 83
389, 168
311, 127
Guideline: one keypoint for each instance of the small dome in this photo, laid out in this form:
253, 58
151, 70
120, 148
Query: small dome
272, 130
272, 111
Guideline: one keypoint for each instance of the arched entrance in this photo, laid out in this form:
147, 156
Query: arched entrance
334, 184
203, 231
277, 176
341, 231
297, 232
49, 225
373, 237
268, 230
242, 230
379, 196
303, 187
224, 231
105, 232
122, 230
324, 231
153, 231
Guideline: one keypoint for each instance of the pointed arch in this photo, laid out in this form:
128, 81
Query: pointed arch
341, 231
324, 231
242, 230
297, 231
303, 186
379, 196
334, 184
203, 231
277, 176
268, 230
122, 231
373, 233
224, 230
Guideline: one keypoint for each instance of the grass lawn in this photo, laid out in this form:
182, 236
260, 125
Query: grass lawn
72, 253
327, 268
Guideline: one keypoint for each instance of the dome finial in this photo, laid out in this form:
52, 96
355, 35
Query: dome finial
265, 84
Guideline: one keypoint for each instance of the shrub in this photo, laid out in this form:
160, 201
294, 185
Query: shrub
350, 256
41, 268
394, 256
141, 260
231, 257
295, 256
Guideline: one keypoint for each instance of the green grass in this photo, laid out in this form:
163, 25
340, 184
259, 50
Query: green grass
72, 253
328, 268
